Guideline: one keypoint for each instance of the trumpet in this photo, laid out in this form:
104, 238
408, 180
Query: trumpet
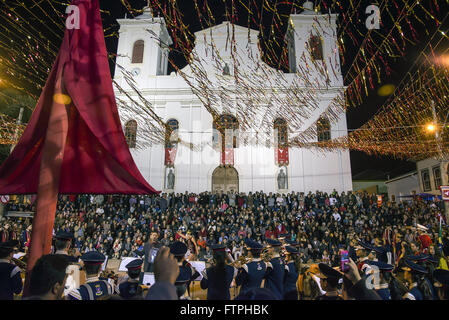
20, 263
240, 261
109, 274
266, 255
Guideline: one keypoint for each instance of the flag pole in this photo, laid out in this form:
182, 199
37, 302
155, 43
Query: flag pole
49, 177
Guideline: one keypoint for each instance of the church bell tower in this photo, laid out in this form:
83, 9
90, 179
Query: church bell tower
143, 46
312, 37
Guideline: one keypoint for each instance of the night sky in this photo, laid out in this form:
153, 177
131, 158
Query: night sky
355, 116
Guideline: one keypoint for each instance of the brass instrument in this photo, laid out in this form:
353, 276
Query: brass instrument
240, 261
266, 256
144, 290
109, 274
20, 263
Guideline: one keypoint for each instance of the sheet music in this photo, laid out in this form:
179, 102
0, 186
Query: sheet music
199, 266
18, 255
148, 279
105, 263
73, 278
124, 262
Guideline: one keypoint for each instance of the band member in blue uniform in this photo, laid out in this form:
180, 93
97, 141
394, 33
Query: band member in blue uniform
365, 251
94, 288
218, 278
431, 264
131, 289
63, 242
382, 254
293, 243
441, 278
381, 285
251, 274
187, 272
292, 268
426, 261
329, 279
415, 275
274, 279
10, 279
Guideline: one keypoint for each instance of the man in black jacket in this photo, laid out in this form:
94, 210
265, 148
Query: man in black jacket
150, 250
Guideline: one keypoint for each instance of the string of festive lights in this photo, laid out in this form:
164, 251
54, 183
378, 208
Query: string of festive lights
257, 96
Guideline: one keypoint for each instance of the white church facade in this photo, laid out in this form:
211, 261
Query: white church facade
224, 164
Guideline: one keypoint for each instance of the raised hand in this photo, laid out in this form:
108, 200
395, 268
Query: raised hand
165, 266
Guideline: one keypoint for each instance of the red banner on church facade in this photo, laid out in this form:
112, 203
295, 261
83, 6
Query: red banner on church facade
281, 156
227, 156
170, 156
227, 151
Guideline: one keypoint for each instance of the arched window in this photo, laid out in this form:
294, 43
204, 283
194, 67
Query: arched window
131, 133
138, 47
282, 131
225, 122
316, 47
171, 133
323, 129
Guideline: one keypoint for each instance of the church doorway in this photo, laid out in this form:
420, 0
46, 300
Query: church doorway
225, 179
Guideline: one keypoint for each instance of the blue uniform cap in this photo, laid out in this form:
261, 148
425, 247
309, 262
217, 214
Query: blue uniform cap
291, 250
328, 272
62, 235
414, 267
8, 246
380, 250
135, 264
11, 244
218, 247
274, 243
419, 257
282, 235
93, 257
442, 276
253, 245
367, 245
432, 259
178, 249
292, 243
381, 265
139, 253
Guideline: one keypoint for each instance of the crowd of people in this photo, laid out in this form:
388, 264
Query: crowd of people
119, 226
311, 228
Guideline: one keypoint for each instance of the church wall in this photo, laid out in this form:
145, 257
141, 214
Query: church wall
171, 97
309, 170
316, 172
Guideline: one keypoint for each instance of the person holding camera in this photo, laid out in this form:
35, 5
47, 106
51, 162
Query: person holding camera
94, 288
150, 250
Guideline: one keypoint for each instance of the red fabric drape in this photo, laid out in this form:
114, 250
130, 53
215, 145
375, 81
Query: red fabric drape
96, 157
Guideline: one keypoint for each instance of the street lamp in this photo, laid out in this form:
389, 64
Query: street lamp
430, 127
